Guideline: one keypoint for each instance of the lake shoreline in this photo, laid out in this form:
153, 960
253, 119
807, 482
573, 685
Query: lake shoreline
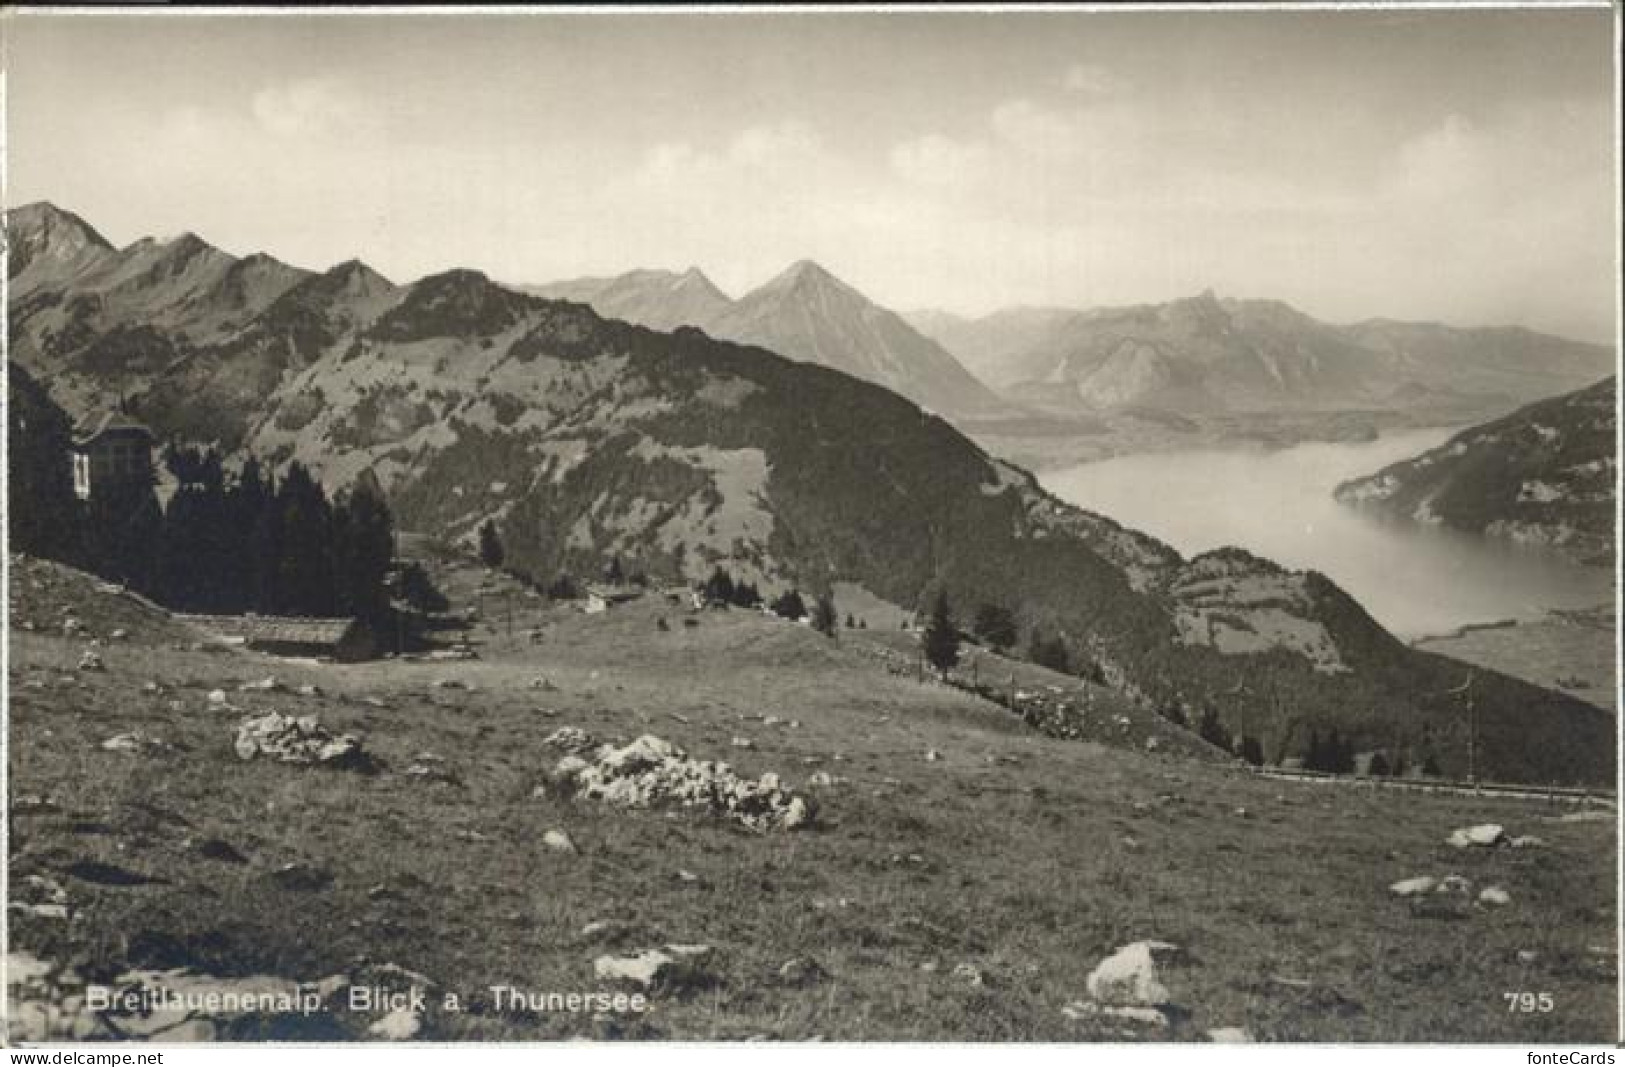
1418, 580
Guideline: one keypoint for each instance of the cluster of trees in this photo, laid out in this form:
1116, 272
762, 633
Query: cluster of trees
256, 542
721, 588
224, 543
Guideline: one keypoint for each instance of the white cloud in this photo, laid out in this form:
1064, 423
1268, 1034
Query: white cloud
307, 107
1093, 80
937, 160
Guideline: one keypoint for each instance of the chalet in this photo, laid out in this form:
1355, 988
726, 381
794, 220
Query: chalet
113, 451
601, 598
345, 639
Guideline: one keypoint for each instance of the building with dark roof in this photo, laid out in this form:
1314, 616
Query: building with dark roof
113, 451
343, 639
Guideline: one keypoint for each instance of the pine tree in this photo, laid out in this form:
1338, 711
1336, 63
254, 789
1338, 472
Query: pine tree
43, 514
995, 626
491, 551
1050, 653
1213, 732
941, 641
824, 617
789, 605
719, 588
363, 546
304, 573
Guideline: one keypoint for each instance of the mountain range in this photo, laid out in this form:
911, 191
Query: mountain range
1543, 475
805, 313
583, 437
1205, 354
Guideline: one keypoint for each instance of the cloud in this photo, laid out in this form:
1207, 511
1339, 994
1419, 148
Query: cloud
937, 160
307, 107
1093, 80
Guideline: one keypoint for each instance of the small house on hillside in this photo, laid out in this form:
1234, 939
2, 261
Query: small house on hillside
114, 450
601, 598
345, 640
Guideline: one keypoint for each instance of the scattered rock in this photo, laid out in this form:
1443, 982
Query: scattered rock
91, 660
268, 684
1494, 896
558, 841
1526, 955
217, 699
431, 767
567, 768
1527, 841
132, 742
119, 634
743, 742
1230, 1035
300, 878
800, 971
1080, 1010
1129, 975
298, 740
968, 973
1454, 883
571, 739
402, 1024
1411, 887
673, 967
309, 690
932, 755
1486, 835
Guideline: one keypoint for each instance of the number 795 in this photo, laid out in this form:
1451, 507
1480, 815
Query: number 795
1528, 1003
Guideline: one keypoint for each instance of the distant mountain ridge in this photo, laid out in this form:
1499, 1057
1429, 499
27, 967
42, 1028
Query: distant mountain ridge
1206, 354
582, 437
658, 299
1543, 475
805, 313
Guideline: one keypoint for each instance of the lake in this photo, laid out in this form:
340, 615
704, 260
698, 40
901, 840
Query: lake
1416, 580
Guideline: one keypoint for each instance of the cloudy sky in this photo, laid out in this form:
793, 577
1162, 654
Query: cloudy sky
1449, 165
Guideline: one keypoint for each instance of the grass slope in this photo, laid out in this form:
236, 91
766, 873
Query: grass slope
1027, 858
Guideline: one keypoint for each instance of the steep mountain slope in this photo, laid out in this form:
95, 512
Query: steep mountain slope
1543, 475
808, 314
1206, 354
805, 313
658, 299
584, 437
83, 313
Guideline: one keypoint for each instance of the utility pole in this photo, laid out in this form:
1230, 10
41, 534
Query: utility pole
1465, 691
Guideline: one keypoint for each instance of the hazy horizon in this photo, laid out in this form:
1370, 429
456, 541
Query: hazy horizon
1449, 166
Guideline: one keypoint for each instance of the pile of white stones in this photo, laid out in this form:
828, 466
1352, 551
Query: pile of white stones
296, 740
652, 772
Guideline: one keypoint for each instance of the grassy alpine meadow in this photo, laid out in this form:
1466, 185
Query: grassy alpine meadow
961, 879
